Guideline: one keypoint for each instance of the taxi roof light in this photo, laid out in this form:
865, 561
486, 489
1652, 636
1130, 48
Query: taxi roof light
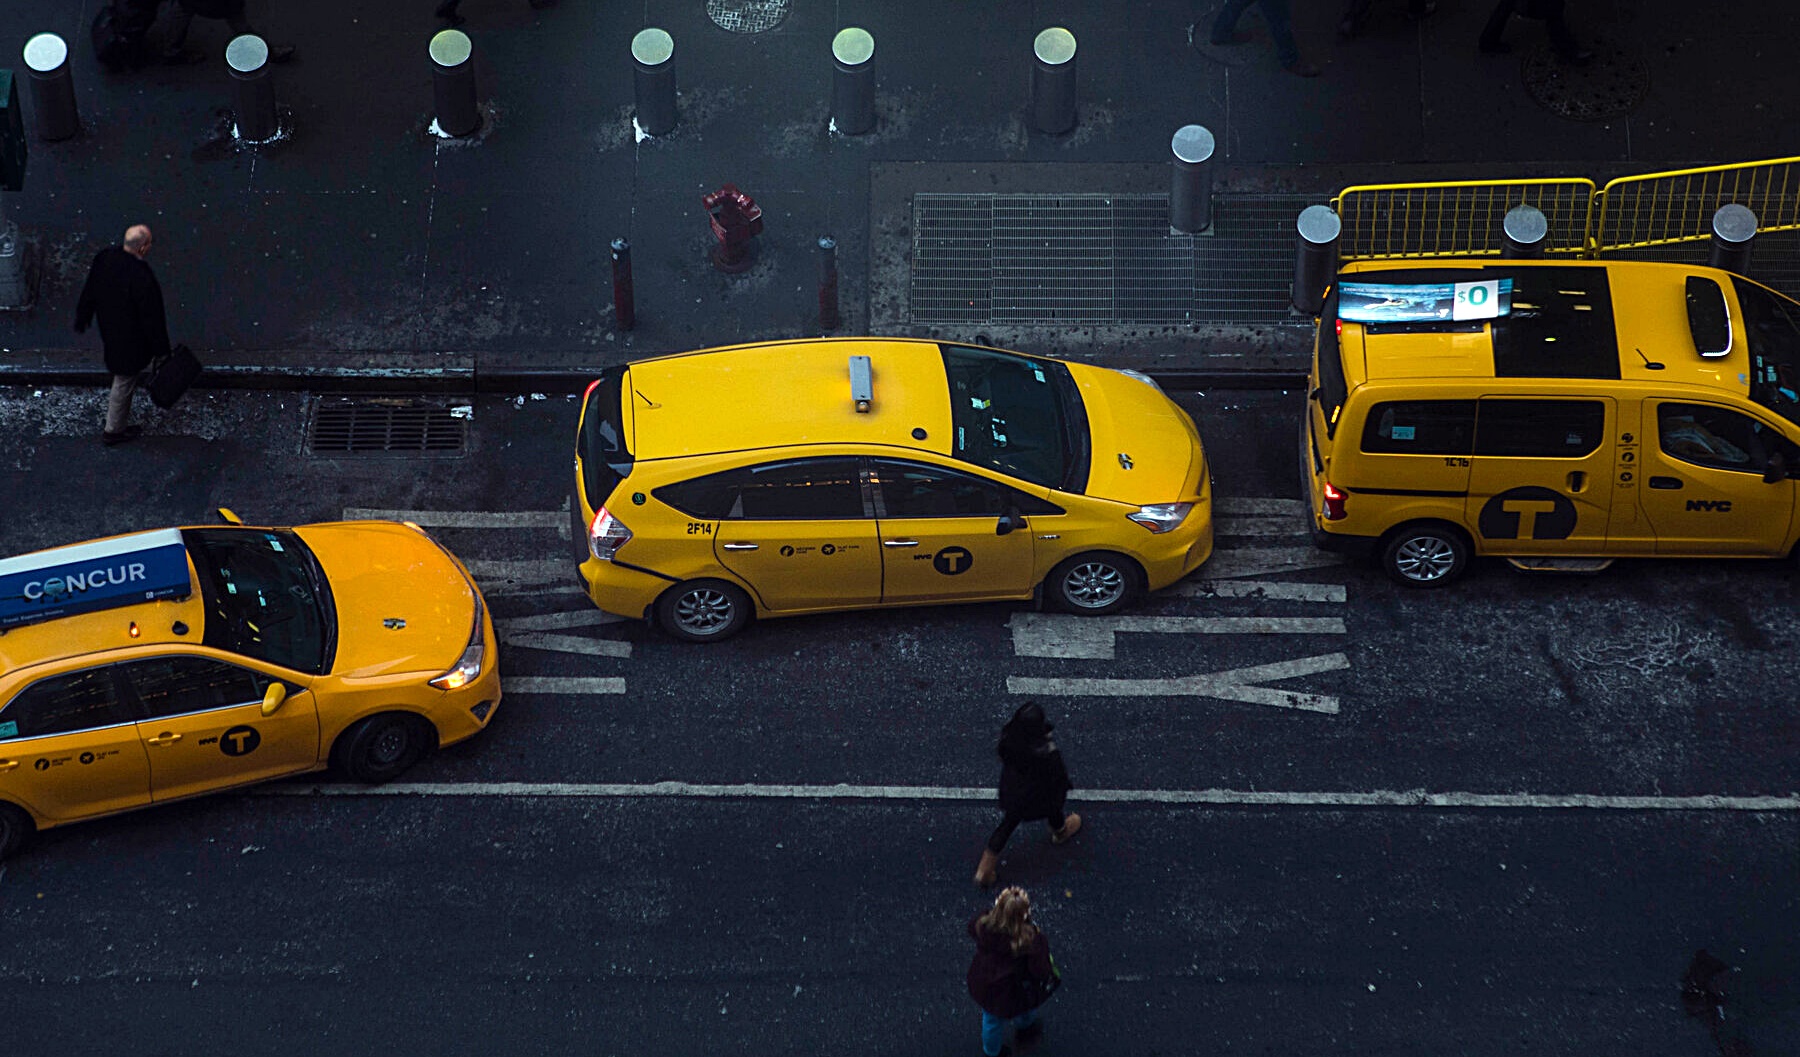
862, 384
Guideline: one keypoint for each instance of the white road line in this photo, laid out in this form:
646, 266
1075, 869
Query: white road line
481, 519
1259, 526
578, 644
513, 577
1233, 562
554, 684
1413, 798
1232, 504
563, 619
1289, 592
1233, 685
1067, 635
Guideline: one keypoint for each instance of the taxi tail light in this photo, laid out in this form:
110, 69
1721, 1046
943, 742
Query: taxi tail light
1161, 517
1334, 502
468, 666
606, 535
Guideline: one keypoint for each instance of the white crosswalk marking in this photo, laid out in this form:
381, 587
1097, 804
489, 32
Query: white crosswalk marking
564, 619
1232, 562
1063, 635
515, 577
550, 519
1274, 589
1259, 526
544, 640
549, 684
1231, 505
1232, 685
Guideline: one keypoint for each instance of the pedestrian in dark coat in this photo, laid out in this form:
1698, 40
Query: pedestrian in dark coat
1033, 785
1281, 30
1549, 12
1356, 15
122, 293
1011, 973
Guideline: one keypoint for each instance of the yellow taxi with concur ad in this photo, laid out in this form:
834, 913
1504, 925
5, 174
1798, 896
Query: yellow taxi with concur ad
805, 476
160, 665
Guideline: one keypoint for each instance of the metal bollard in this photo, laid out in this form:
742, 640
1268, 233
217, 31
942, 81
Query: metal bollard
1734, 230
1315, 257
453, 82
1190, 185
1522, 232
1053, 81
853, 82
829, 319
653, 78
52, 87
254, 93
624, 298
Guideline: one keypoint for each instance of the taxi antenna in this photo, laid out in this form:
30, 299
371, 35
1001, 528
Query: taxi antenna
1649, 364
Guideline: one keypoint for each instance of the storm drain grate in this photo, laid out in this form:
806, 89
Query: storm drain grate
378, 426
1099, 259
747, 16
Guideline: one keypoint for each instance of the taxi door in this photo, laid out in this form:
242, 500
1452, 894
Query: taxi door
69, 749
801, 534
204, 728
1540, 481
1704, 491
939, 535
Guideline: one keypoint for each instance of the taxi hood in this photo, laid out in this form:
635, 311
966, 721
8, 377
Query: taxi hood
1144, 449
403, 605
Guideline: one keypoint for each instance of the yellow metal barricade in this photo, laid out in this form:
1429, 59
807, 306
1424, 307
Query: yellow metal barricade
1662, 208
1458, 219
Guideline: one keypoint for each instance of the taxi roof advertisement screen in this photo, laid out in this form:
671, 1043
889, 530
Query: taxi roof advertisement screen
1424, 302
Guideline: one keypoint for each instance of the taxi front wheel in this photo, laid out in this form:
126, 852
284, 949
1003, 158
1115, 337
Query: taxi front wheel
1094, 584
1425, 554
15, 826
703, 610
381, 748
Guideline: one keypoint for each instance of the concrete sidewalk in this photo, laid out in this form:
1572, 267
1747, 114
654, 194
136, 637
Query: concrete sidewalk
361, 249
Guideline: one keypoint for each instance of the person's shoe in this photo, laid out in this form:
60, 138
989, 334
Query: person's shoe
988, 870
1071, 826
1030, 1034
1238, 36
1495, 47
281, 53
1005, 1051
1303, 69
114, 439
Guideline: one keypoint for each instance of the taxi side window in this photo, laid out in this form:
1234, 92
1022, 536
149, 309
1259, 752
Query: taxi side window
173, 686
1420, 427
910, 489
1554, 429
1711, 436
799, 490
65, 703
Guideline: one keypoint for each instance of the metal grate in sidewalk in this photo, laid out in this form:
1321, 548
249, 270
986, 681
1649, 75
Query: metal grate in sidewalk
384, 426
1099, 259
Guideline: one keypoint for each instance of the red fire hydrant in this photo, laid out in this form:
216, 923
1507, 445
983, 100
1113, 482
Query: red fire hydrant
736, 219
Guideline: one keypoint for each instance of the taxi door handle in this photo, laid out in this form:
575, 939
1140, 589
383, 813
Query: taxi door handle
165, 738
738, 546
1665, 482
7, 765
899, 543
1577, 480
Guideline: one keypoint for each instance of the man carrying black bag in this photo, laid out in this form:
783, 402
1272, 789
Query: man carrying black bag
123, 294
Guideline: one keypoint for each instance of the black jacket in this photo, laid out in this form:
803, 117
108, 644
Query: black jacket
122, 292
1033, 780
996, 974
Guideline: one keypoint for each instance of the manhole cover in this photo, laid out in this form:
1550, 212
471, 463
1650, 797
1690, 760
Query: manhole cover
382, 426
747, 16
1610, 86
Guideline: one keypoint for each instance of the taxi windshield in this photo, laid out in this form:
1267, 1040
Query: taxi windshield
265, 596
1772, 330
1017, 415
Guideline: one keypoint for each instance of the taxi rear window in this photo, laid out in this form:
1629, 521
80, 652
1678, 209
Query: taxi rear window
605, 456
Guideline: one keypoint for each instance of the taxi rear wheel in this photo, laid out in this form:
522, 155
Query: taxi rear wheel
703, 610
1094, 584
15, 826
381, 748
1425, 554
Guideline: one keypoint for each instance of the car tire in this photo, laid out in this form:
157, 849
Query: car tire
1094, 584
1425, 554
703, 610
381, 748
15, 826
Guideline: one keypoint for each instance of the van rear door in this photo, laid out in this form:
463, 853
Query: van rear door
1540, 479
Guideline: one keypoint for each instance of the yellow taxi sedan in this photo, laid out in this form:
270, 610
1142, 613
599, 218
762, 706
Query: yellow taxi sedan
159, 665
806, 476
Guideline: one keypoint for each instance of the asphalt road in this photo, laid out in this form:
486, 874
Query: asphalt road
1327, 814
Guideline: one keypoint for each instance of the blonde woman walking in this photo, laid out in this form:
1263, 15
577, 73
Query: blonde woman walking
1012, 974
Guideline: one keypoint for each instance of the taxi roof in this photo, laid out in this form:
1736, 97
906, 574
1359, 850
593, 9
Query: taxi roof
789, 392
1571, 319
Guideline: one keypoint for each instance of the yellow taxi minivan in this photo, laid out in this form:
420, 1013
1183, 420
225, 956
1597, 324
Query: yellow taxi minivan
804, 476
1559, 414
159, 665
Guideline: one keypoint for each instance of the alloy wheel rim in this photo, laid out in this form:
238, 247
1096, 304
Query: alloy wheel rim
703, 612
1425, 558
1094, 585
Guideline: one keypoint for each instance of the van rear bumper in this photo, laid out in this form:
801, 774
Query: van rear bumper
1343, 543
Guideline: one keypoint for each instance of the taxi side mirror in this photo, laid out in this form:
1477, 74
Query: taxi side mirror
1009, 521
1776, 469
273, 697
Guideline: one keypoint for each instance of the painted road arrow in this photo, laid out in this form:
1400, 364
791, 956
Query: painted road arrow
1092, 638
1233, 685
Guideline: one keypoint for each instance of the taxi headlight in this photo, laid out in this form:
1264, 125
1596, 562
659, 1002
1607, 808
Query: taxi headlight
1161, 517
468, 666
